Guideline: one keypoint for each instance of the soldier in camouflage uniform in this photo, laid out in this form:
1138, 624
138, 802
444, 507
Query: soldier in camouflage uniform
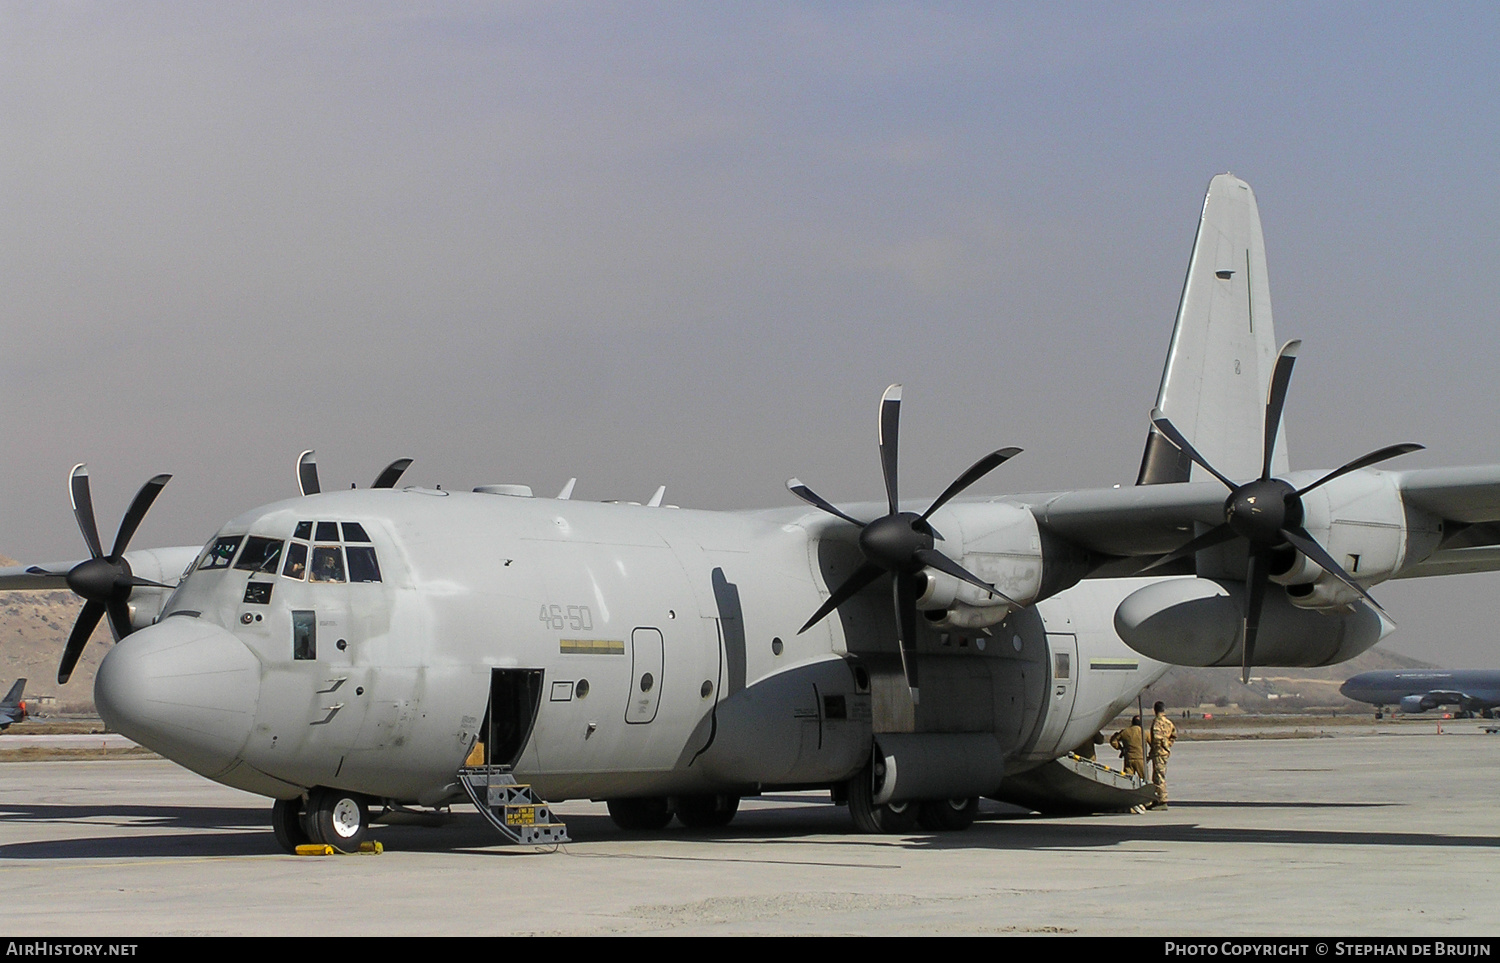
1163, 734
1131, 746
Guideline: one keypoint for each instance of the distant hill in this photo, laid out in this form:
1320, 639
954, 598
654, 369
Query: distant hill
1272, 689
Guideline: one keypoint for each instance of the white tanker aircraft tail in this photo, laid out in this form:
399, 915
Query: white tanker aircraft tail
348, 649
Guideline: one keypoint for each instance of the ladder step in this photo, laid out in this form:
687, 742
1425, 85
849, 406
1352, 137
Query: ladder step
511, 807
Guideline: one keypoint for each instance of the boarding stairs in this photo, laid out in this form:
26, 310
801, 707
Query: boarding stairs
511, 807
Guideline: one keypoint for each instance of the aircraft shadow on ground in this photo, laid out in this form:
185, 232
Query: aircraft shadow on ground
187, 831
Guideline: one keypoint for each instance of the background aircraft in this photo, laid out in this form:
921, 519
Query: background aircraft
351, 648
1418, 690
12, 709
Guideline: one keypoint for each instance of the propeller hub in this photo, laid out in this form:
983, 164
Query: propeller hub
892, 541
100, 579
1260, 510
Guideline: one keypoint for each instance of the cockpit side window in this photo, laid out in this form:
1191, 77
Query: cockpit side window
260, 555
355, 532
296, 561
304, 531
327, 564
221, 554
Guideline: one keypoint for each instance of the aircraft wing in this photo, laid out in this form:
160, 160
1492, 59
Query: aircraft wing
158, 564
51, 575
1145, 520
1128, 520
1468, 501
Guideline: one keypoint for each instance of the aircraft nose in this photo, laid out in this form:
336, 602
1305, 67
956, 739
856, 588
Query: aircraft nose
184, 687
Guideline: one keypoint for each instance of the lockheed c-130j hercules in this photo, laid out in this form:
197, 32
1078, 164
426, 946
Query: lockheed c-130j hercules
347, 650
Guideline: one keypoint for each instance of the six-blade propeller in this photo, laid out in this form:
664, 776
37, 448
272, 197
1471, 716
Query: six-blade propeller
307, 473
900, 543
1267, 512
104, 582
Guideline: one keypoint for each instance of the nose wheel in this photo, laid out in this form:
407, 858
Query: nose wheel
328, 817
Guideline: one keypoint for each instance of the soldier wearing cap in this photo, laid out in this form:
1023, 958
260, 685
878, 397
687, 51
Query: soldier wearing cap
1163, 734
1129, 741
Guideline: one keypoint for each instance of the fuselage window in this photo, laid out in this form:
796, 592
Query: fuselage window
328, 531
354, 532
260, 555
221, 554
304, 635
304, 531
362, 564
296, 561
327, 564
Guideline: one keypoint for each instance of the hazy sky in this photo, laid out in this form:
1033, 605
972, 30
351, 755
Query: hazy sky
689, 244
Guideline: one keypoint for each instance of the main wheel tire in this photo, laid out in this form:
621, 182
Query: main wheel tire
708, 811
649, 813
869, 817
286, 823
949, 815
338, 818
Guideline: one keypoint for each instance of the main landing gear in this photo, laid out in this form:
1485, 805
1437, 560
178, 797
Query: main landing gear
327, 816
941, 815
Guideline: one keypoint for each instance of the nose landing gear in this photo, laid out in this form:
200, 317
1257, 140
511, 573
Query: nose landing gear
328, 817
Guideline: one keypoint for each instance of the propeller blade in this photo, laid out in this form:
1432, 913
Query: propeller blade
1281, 378
976, 471
307, 472
119, 617
83, 509
851, 587
1307, 545
88, 620
1175, 437
387, 479
137, 511
904, 594
933, 558
890, 425
795, 486
1364, 462
1257, 575
1210, 538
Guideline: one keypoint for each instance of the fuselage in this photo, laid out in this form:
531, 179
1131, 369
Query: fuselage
358, 639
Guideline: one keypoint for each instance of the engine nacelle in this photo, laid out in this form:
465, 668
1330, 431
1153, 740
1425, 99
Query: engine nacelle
1360, 519
164, 565
1194, 621
1004, 545
1415, 703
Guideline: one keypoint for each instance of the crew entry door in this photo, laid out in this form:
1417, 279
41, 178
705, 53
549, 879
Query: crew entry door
515, 698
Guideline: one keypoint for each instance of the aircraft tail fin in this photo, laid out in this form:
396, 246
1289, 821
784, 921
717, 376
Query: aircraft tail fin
1218, 368
13, 697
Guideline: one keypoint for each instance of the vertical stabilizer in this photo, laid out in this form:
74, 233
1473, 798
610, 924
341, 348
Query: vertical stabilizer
1223, 348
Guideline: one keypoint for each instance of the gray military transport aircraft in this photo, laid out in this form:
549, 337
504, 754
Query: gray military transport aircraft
348, 650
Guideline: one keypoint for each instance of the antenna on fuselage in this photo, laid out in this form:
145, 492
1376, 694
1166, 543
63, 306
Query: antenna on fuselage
655, 501
567, 490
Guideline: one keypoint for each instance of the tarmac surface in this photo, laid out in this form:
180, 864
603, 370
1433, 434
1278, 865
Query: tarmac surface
1375, 829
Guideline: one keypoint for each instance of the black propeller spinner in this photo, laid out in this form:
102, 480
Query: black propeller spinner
104, 582
1267, 512
898, 542
307, 473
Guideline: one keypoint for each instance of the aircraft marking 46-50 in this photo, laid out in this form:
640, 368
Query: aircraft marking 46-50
347, 649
